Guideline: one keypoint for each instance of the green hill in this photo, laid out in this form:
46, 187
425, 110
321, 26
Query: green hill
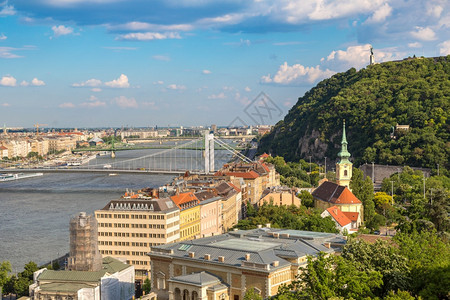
414, 92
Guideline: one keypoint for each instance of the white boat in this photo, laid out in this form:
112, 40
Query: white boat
17, 176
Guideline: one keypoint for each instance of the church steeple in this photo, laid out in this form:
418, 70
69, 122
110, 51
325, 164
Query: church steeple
344, 155
344, 166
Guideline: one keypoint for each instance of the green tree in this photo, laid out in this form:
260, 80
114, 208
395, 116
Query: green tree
438, 210
25, 278
147, 286
307, 198
362, 188
328, 277
383, 258
5, 268
251, 294
428, 257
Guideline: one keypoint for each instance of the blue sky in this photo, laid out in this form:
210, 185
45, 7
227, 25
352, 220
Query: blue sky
87, 63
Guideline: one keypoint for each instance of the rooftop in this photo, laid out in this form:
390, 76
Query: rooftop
153, 205
334, 193
251, 249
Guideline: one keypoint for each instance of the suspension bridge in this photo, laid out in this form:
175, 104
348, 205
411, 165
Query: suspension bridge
199, 156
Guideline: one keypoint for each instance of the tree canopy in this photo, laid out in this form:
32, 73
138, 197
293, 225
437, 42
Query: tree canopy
373, 101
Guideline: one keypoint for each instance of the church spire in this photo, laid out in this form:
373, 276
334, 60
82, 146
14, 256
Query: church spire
344, 155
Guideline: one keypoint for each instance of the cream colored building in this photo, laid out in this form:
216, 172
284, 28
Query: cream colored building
279, 196
225, 266
127, 228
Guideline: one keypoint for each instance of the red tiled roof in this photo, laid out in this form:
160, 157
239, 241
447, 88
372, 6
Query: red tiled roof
339, 216
3, 148
334, 193
184, 198
235, 187
264, 155
353, 216
246, 175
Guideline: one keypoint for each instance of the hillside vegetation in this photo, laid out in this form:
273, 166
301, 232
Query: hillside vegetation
414, 92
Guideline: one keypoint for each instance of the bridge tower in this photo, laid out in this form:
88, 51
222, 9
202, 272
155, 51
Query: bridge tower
209, 152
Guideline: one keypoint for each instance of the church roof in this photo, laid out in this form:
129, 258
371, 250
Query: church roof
338, 216
334, 193
352, 215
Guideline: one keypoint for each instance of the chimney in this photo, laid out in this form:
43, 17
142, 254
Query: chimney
221, 258
327, 245
285, 235
191, 254
275, 263
276, 235
259, 226
235, 229
247, 256
207, 256
268, 225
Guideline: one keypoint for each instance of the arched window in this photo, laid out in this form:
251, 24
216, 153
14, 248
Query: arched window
194, 295
177, 294
186, 295
345, 173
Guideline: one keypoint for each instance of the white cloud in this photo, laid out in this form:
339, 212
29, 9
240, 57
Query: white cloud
6, 52
142, 26
434, 10
206, 72
297, 75
151, 105
67, 105
247, 89
357, 57
3, 37
444, 48
176, 87
37, 82
217, 96
415, 45
93, 98
7, 10
89, 83
161, 57
93, 104
96, 90
125, 102
424, 34
159, 82
6, 104
380, 14
61, 30
8, 81
241, 43
24, 83
121, 82
148, 36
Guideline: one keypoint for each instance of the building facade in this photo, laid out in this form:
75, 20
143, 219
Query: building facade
226, 266
189, 206
127, 228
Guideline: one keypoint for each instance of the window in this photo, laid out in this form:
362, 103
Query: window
345, 173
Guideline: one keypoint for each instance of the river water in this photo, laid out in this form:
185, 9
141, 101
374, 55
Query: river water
35, 212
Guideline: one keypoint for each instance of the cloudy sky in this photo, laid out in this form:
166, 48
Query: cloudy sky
84, 63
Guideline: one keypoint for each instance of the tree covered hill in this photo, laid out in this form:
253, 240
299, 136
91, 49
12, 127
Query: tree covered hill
414, 92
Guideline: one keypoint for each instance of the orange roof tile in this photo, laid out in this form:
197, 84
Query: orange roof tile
235, 187
264, 155
353, 216
339, 216
184, 198
246, 175
347, 197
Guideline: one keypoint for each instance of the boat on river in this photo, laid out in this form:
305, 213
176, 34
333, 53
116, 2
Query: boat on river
17, 176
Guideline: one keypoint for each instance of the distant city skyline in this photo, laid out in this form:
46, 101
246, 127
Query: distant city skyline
113, 63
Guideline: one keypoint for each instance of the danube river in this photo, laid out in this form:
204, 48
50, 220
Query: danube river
35, 212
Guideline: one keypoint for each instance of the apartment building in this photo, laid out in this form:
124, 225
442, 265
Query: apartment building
189, 206
127, 228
